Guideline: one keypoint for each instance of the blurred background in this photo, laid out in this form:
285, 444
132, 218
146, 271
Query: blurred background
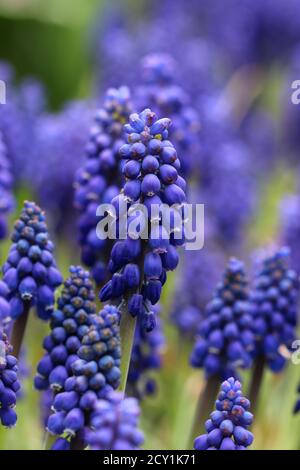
234, 63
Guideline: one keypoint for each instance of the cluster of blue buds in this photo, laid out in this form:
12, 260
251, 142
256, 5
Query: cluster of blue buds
146, 356
5, 310
100, 178
114, 424
152, 181
30, 271
95, 373
227, 428
168, 99
6, 197
226, 340
9, 383
274, 303
69, 324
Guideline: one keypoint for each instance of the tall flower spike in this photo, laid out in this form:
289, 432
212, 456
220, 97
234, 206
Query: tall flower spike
100, 178
114, 424
274, 303
95, 373
9, 384
69, 323
227, 428
139, 266
225, 340
6, 197
160, 92
30, 271
146, 357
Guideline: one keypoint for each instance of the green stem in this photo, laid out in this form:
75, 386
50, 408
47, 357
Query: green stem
205, 406
48, 441
127, 330
18, 330
256, 382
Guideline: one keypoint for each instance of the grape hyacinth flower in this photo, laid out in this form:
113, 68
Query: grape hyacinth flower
274, 302
95, 373
160, 92
114, 424
30, 271
60, 144
69, 323
6, 197
290, 227
274, 308
5, 310
197, 279
227, 428
146, 357
99, 179
138, 265
225, 340
9, 383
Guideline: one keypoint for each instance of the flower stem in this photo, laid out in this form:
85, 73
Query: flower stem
256, 382
18, 331
48, 441
205, 406
127, 330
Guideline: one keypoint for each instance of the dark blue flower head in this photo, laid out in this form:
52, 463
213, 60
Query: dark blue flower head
290, 227
69, 323
6, 197
9, 383
200, 271
30, 271
146, 357
227, 428
274, 302
114, 424
226, 341
60, 145
95, 373
99, 179
139, 264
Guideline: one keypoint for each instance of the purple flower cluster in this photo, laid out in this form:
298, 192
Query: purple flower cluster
274, 304
30, 271
198, 276
60, 144
114, 424
146, 356
227, 428
95, 373
225, 340
290, 228
151, 170
168, 99
69, 324
9, 383
5, 310
99, 179
6, 197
